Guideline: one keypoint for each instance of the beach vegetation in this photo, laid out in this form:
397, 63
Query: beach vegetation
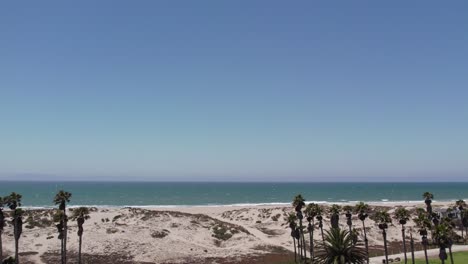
13, 201
61, 199
80, 215
339, 248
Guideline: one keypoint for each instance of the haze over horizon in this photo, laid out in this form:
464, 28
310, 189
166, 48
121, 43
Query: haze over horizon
234, 91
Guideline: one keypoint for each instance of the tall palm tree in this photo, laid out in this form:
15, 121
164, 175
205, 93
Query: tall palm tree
349, 214
412, 247
335, 216
2, 225
403, 215
428, 201
80, 215
383, 218
339, 248
292, 225
464, 219
61, 199
298, 204
319, 217
13, 201
311, 211
423, 223
362, 209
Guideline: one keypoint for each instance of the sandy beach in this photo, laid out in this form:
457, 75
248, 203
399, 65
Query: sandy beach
215, 234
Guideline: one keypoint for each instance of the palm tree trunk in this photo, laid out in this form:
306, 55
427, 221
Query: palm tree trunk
366, 242
425, 249
15, 231
451, 255
311, 234
79, 250
295, 251
303, 245
384, 233
65, 242
1, 247
299, 248
412, 249
404, 242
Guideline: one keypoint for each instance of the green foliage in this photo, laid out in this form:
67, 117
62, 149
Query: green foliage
428, 196
292, 218
361, 208
382, 216
402, 214
422, 221
339, 248
312, 210
82, 212
298, 201
348, 209
335, 209
13, 200
221, 232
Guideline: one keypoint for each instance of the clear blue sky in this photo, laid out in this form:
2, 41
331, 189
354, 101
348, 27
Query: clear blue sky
234, 90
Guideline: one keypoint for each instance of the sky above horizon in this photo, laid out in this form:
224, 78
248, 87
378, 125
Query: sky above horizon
234, 90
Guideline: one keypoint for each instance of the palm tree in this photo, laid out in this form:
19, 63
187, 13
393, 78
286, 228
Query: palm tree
422, 222
339, 248
298, 204
61, 199
311, 211
412, 246
335, 216
13, 201
80, 215
460, 204
428, 200
319, 217
442, 236
362, 210
402, 215
2, 225
349, 214
293, 226
383, 218
464, 218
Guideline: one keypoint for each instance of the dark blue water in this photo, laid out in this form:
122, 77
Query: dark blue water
164, 193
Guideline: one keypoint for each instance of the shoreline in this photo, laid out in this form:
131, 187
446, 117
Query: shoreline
253, 205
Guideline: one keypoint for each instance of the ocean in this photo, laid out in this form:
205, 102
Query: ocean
120, 194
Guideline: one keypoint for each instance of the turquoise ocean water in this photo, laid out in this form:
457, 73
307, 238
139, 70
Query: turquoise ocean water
40, 194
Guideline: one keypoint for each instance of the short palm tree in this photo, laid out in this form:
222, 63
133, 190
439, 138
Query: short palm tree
311, 212
383, 218
13, 201
335, 216
61, 199
298, 204
339, 248
80, 215
403, 215
460, 205
362, 209
423, 223
348, 210
293, 226
428, 201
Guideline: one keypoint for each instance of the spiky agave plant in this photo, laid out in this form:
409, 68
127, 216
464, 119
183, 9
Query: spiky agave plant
362, 209
339, 248
402, 216
383, 218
